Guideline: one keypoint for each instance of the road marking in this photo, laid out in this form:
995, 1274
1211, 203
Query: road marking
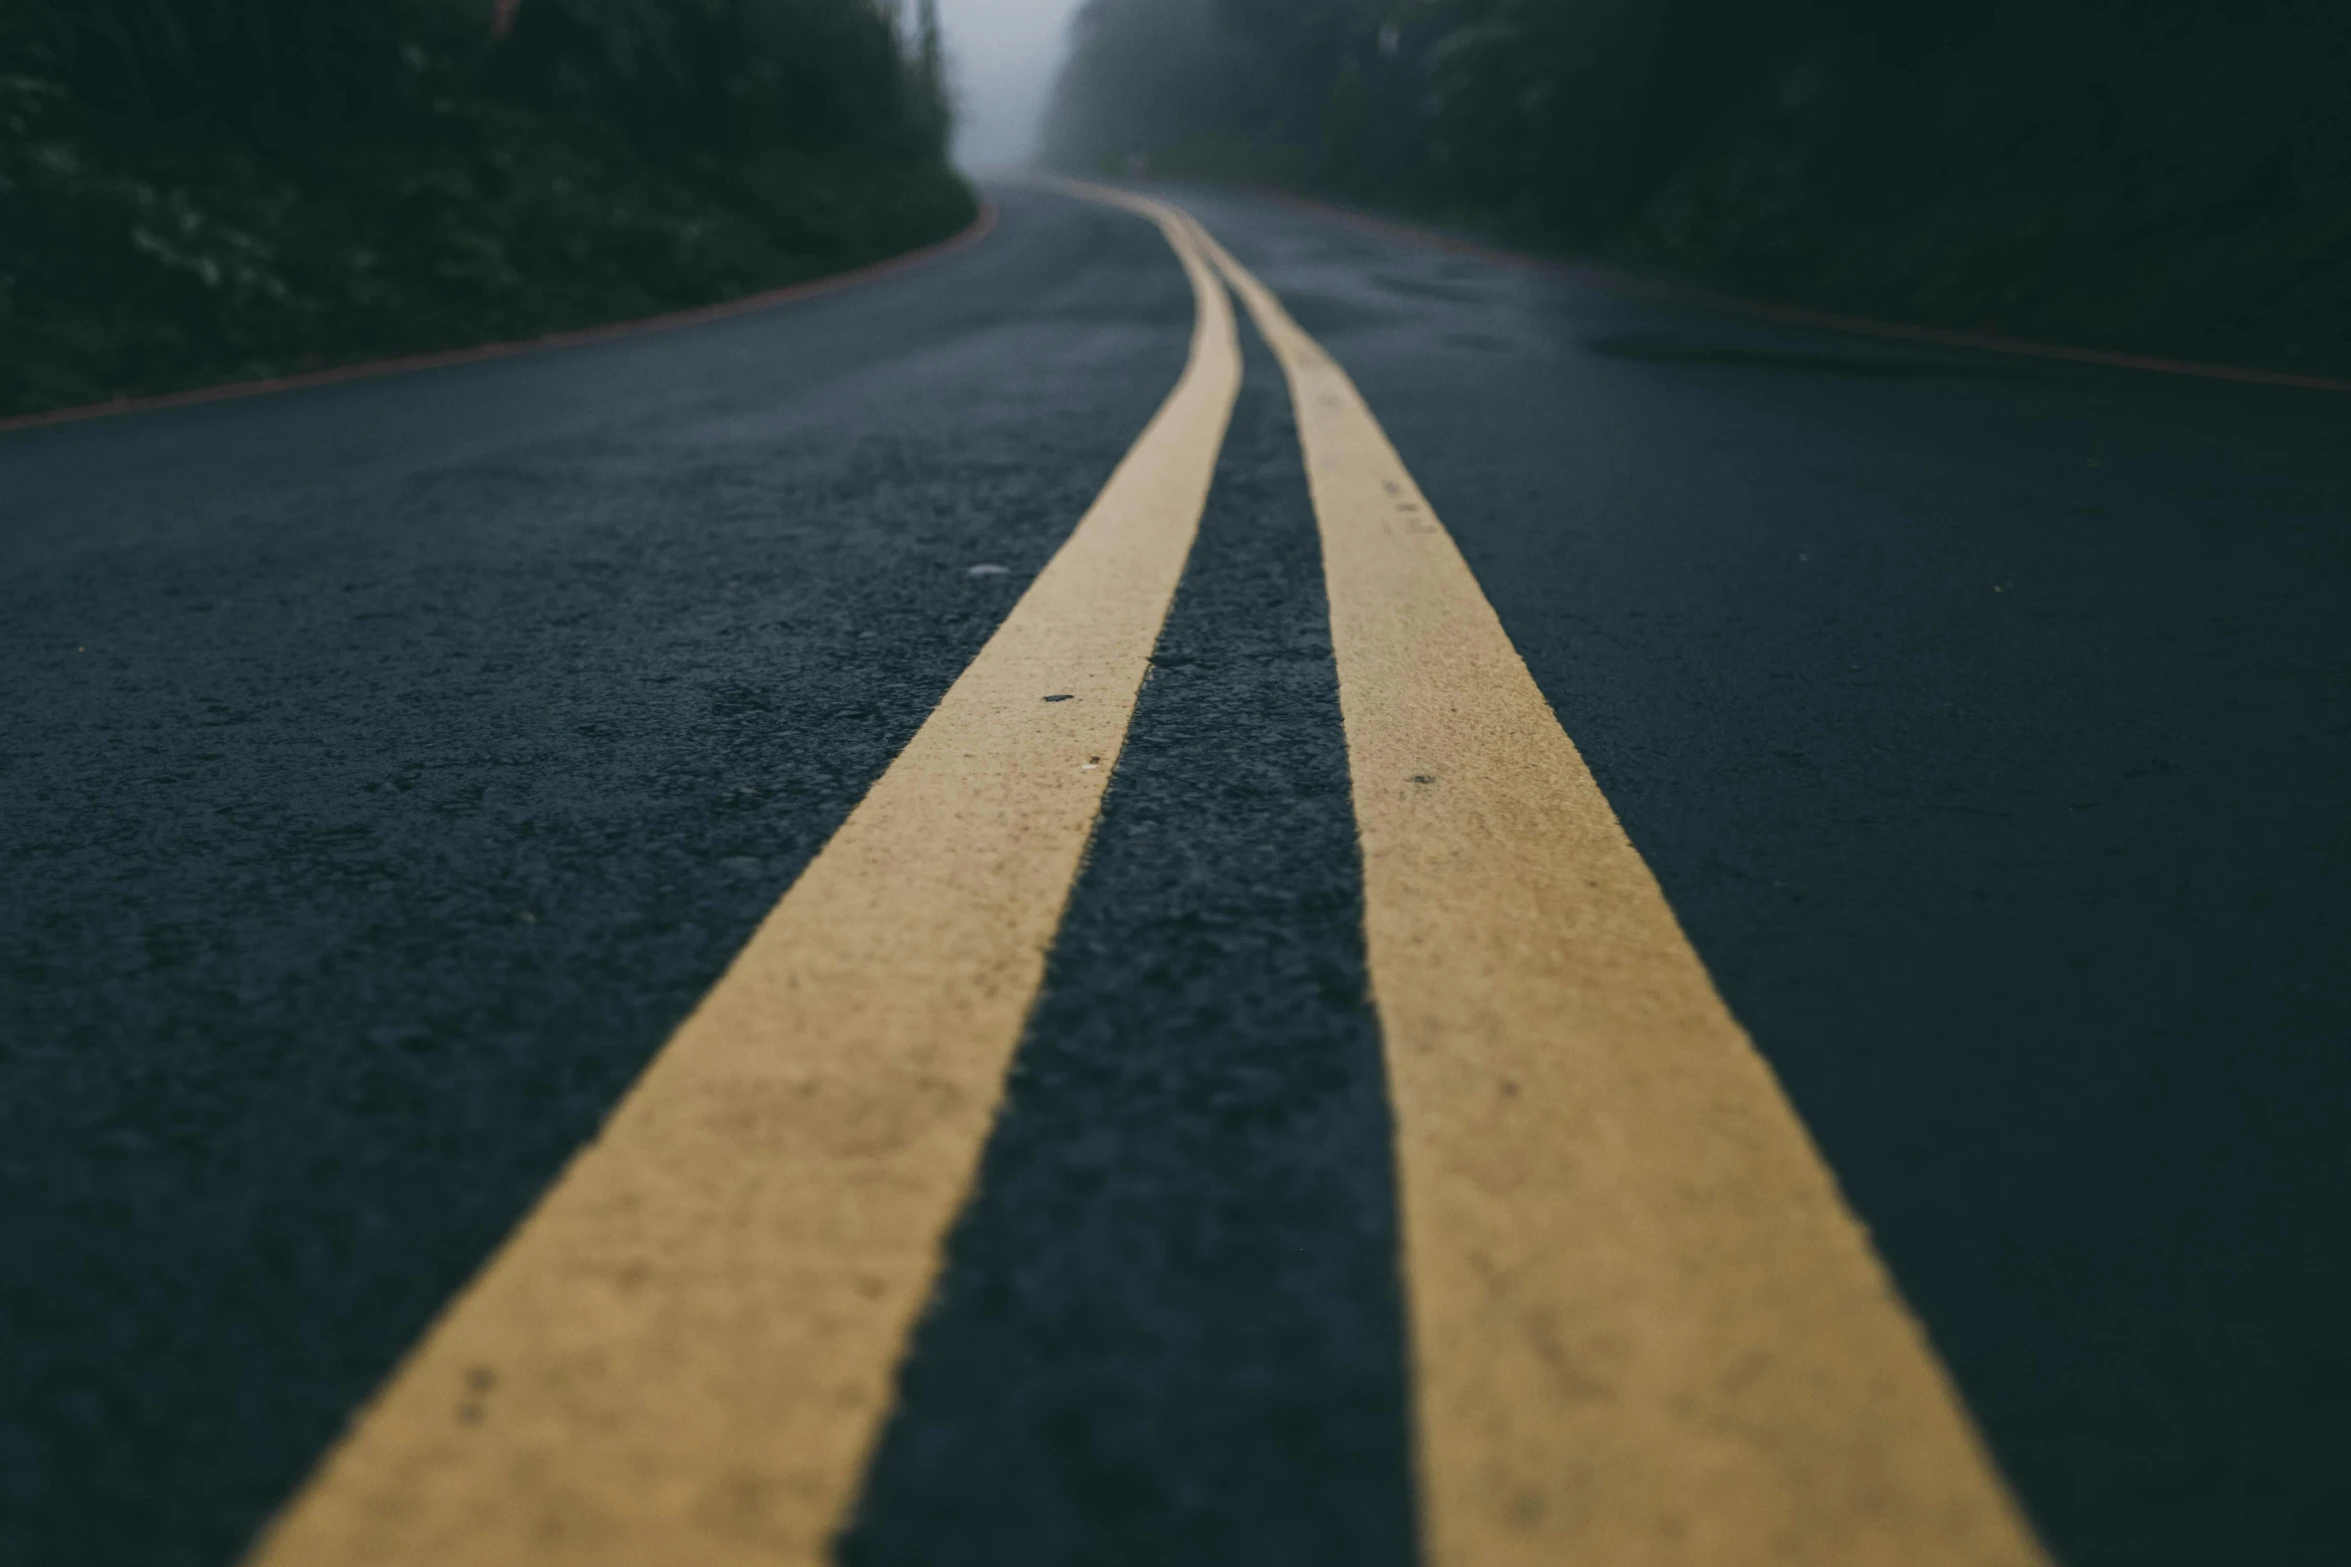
683, 1355
1645, 1328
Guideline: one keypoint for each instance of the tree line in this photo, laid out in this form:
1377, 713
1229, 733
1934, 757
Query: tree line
2124, 170
203, 189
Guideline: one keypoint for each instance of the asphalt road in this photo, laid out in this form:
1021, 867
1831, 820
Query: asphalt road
386, 770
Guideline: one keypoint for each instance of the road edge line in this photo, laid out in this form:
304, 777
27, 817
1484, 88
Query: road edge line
1589, 274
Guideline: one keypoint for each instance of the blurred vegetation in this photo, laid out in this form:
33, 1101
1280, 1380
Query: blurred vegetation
200, 190
2172, 175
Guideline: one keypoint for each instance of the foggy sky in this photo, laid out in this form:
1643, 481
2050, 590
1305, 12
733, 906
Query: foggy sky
1003, 54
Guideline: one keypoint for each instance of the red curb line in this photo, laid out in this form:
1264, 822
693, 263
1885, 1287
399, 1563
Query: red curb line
1614, 282
978, 229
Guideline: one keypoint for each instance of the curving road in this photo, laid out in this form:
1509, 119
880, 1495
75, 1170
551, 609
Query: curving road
388, 771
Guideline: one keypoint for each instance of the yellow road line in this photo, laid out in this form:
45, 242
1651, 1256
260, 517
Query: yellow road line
1645, 1327
682, 1356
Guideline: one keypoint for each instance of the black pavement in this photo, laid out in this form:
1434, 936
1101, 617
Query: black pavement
385, 770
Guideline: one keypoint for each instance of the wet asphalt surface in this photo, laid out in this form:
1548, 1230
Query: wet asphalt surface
385, 770
1171, 1328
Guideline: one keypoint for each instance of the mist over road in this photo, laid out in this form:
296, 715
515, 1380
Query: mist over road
1003, 58
1915, 1007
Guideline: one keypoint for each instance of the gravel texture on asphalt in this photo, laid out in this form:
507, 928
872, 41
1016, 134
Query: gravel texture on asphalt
389, 769
1170, 1328
385, 770
1988, 725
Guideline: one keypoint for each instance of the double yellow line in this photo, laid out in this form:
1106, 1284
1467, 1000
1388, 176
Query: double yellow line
1644, 1326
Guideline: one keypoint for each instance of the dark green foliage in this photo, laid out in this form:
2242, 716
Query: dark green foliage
199, 190
727, 75
2136, 173
1162, 80
236, 63
2152, 173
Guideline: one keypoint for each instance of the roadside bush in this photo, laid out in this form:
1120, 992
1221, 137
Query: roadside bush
2154, 174
727, 75
241, 64
200, 190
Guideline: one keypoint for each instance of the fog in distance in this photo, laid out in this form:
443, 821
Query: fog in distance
1003, 55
